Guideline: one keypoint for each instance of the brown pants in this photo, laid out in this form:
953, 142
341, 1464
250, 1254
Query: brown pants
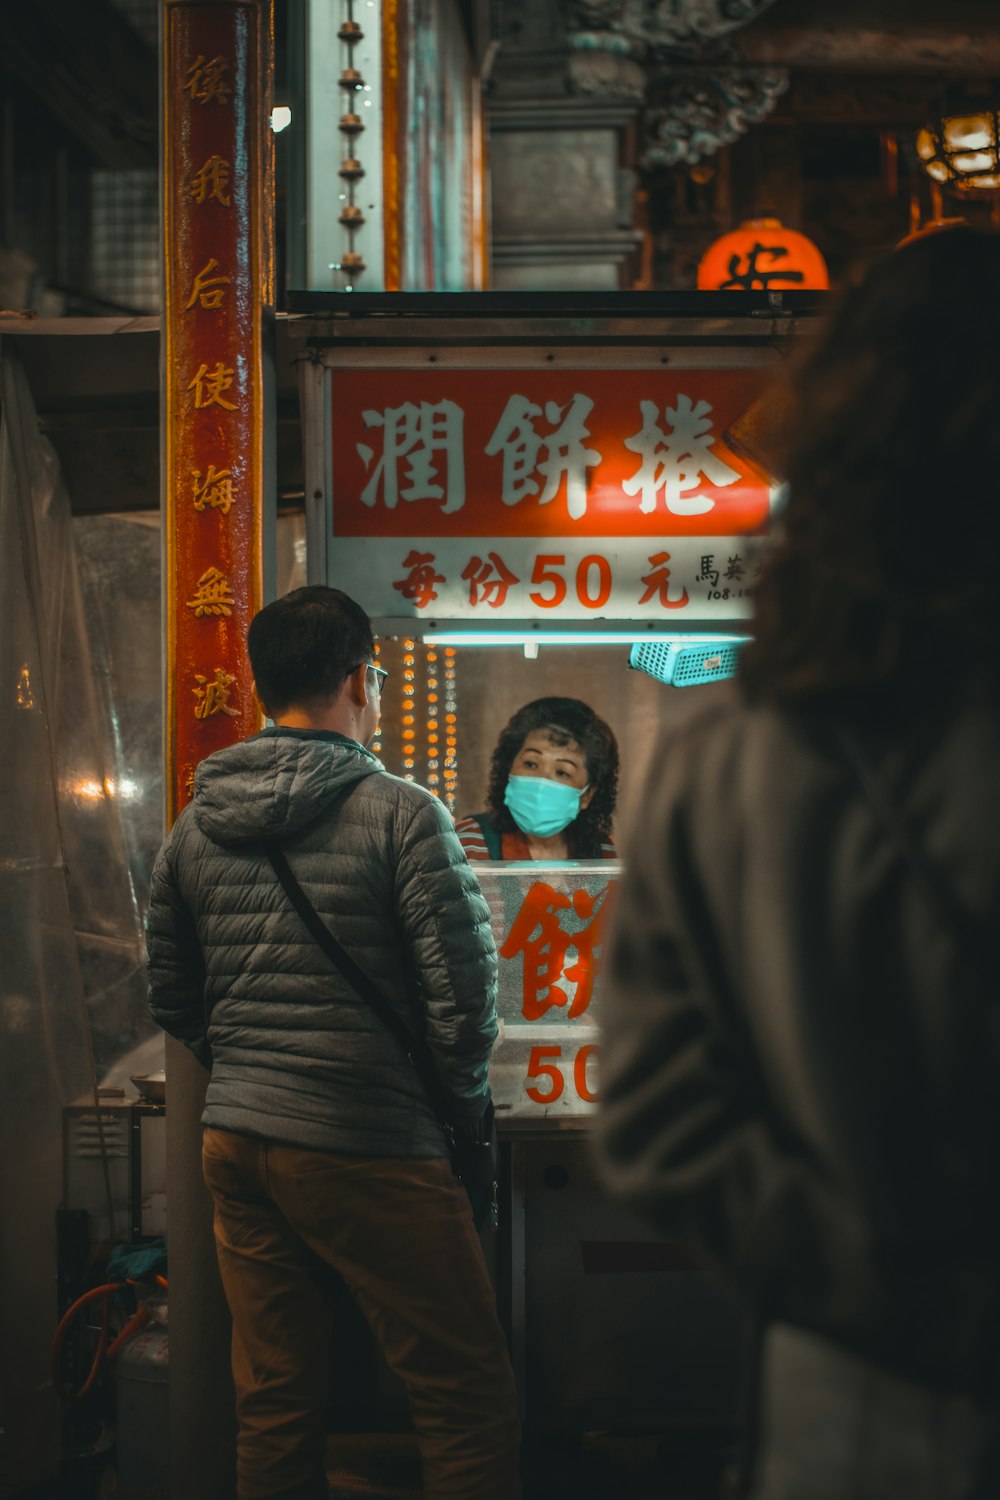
399, 1231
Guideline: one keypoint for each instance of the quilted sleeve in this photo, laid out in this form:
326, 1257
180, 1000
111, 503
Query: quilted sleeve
446, 927
176, 967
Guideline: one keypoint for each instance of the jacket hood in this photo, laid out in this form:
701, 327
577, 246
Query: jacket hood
276, 783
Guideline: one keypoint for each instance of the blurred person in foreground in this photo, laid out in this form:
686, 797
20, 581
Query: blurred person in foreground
321, 1146
801, 1064
552, 789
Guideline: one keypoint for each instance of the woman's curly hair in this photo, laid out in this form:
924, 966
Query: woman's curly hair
564, 719
883, 580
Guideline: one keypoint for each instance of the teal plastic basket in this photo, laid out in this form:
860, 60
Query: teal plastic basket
686, 664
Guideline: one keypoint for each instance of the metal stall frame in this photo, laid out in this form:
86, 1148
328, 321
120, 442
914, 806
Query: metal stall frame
498, 331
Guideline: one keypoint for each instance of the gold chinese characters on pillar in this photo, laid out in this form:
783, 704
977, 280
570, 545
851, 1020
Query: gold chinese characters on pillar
218, 280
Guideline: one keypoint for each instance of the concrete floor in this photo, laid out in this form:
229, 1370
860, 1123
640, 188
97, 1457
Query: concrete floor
684, 1466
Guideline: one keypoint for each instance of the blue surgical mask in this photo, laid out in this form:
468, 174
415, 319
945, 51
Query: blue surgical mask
541, 806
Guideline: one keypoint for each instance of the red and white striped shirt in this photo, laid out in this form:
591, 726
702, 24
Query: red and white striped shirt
512, 845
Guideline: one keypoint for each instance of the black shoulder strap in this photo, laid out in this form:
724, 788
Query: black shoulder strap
936, 891
413, 1046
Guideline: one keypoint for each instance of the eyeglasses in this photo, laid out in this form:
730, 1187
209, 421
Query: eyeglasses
380, 674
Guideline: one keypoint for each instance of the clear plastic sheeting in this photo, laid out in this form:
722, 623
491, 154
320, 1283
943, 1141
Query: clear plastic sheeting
45, 1055
69, 928
118, 560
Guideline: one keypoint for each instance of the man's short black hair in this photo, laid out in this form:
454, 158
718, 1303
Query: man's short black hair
303, 646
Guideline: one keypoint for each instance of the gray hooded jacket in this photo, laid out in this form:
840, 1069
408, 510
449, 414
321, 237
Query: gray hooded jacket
296, 1056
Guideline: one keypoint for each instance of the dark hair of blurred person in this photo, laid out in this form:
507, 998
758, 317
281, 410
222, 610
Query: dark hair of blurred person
883, 583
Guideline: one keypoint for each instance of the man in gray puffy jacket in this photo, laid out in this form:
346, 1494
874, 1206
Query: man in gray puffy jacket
320, 1139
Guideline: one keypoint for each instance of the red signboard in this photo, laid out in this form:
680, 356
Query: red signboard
524, 453
506, 495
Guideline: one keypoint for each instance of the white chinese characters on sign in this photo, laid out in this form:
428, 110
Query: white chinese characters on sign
417, 434
564, 448
423, 455
676, 461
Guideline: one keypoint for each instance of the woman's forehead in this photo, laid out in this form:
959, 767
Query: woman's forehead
552, 744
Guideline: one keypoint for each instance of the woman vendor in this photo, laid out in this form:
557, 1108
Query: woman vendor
552, 788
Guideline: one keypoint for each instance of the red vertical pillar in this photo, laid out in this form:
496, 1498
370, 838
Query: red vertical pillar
218, 295
218, 290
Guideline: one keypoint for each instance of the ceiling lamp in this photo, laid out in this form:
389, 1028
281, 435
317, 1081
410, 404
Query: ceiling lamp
762, 256
960, 147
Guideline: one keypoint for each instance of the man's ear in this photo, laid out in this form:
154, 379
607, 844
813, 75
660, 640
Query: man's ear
357, 686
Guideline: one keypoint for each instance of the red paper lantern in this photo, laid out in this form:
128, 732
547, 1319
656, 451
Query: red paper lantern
762, 256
